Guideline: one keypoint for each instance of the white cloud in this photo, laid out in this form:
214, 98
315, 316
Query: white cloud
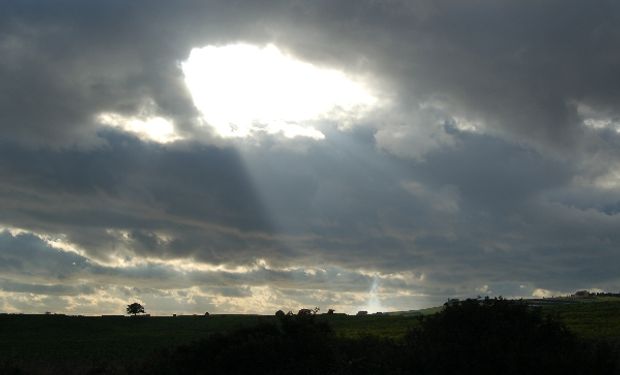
149, 128
545, 293
484, 289
596, 119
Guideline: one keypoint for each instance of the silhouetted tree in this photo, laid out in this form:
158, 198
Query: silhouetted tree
135, 308
280, 314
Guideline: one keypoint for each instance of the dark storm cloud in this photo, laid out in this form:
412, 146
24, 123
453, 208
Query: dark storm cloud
28, 255
31, 265
528, 198
96, 57
135, 187
493, 223
520, 67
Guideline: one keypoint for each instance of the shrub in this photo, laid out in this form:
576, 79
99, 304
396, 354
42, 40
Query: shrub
498, 336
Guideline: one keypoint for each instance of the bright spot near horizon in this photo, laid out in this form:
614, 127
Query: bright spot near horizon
242, 89
374, 303
150, 128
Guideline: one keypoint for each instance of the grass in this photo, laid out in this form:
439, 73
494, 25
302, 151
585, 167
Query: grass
591, 319
390, 326
70, 339
67, 338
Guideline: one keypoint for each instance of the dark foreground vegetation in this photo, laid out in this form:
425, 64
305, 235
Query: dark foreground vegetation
484, 336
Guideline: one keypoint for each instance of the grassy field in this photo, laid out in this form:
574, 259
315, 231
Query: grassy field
594, 319
89, 339
60, 338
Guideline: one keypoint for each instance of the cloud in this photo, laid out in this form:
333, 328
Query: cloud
474, 62
351, 210
243, 89
495, 163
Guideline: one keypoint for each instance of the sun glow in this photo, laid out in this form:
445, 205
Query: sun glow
243, 89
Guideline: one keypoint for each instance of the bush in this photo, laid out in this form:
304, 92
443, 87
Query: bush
293, 346
498, 336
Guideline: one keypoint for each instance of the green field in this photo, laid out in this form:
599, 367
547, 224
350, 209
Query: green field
58, 338
595, 319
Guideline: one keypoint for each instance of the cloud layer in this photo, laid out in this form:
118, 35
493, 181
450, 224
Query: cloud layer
491, 168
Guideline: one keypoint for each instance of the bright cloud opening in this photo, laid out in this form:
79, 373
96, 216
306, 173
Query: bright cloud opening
149, 128
242, 89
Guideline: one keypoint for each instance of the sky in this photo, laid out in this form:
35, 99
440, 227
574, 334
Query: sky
250, 156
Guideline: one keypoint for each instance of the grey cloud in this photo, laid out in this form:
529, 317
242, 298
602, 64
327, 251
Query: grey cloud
162, 287
55, 289
502, 226
200, 187
513, 203
105, 57
519, 67
31, 257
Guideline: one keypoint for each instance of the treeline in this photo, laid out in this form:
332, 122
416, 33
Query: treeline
605, 294
480, 336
